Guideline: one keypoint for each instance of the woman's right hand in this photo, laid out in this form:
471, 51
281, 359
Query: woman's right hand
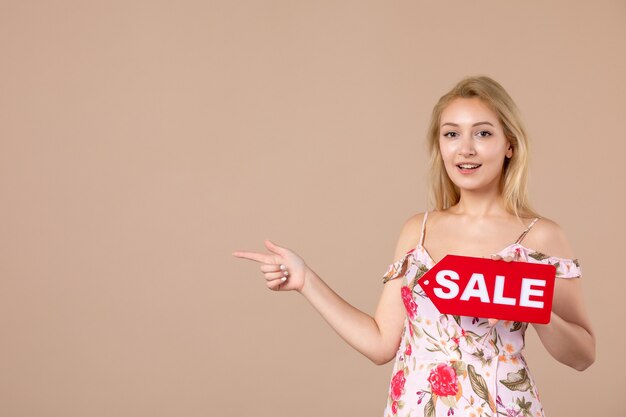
295, 269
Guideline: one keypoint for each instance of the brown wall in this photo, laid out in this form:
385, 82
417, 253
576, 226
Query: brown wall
141, 142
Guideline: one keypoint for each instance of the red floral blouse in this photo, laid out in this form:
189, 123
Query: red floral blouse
458, 365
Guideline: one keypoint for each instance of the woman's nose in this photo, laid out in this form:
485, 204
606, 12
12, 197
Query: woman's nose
466, 146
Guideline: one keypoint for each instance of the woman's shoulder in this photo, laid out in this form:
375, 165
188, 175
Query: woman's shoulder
413, 223
412, 228
410, 234
549, 237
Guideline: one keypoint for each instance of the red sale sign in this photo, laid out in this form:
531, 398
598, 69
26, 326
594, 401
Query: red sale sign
468, 286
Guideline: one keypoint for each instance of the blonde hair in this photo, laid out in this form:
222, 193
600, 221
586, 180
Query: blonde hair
443, 192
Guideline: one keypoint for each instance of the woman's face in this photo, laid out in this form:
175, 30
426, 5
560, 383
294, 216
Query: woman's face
470, 132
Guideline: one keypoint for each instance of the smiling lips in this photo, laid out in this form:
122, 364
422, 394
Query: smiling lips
468, 168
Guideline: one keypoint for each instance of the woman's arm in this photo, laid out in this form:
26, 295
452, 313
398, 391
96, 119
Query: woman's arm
375, 337
569, 336
378, 337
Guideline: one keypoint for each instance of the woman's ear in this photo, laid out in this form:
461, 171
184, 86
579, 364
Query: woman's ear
509, 152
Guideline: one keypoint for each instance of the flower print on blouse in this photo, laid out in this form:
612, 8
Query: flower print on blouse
450, 365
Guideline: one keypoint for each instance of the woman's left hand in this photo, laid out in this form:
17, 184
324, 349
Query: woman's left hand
496, 257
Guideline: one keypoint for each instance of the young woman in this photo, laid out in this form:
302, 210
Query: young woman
459, 365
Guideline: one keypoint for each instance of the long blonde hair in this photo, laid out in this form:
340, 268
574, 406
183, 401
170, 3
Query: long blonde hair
443, 192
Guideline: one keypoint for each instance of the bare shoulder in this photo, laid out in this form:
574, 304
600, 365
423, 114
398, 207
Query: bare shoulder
409, 234
549, 237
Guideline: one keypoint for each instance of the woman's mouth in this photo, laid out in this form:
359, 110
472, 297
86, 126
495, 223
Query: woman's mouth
468, 168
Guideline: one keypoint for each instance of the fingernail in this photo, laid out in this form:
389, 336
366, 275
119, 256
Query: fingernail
283, 279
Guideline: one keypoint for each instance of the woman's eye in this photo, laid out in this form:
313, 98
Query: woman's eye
484, 136
449, 133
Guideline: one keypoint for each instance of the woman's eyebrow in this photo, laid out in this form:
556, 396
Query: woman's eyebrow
475, 124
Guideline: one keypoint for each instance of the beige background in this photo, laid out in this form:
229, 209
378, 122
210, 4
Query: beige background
142, 142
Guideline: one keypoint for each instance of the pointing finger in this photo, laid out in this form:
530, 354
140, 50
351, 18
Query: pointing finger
259, 257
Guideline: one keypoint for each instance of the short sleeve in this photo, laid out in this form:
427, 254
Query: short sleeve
399, 268
567, 268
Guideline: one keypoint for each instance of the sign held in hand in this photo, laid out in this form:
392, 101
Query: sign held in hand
469, 286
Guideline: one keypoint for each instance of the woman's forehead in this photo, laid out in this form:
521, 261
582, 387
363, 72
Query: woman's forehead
468, 111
